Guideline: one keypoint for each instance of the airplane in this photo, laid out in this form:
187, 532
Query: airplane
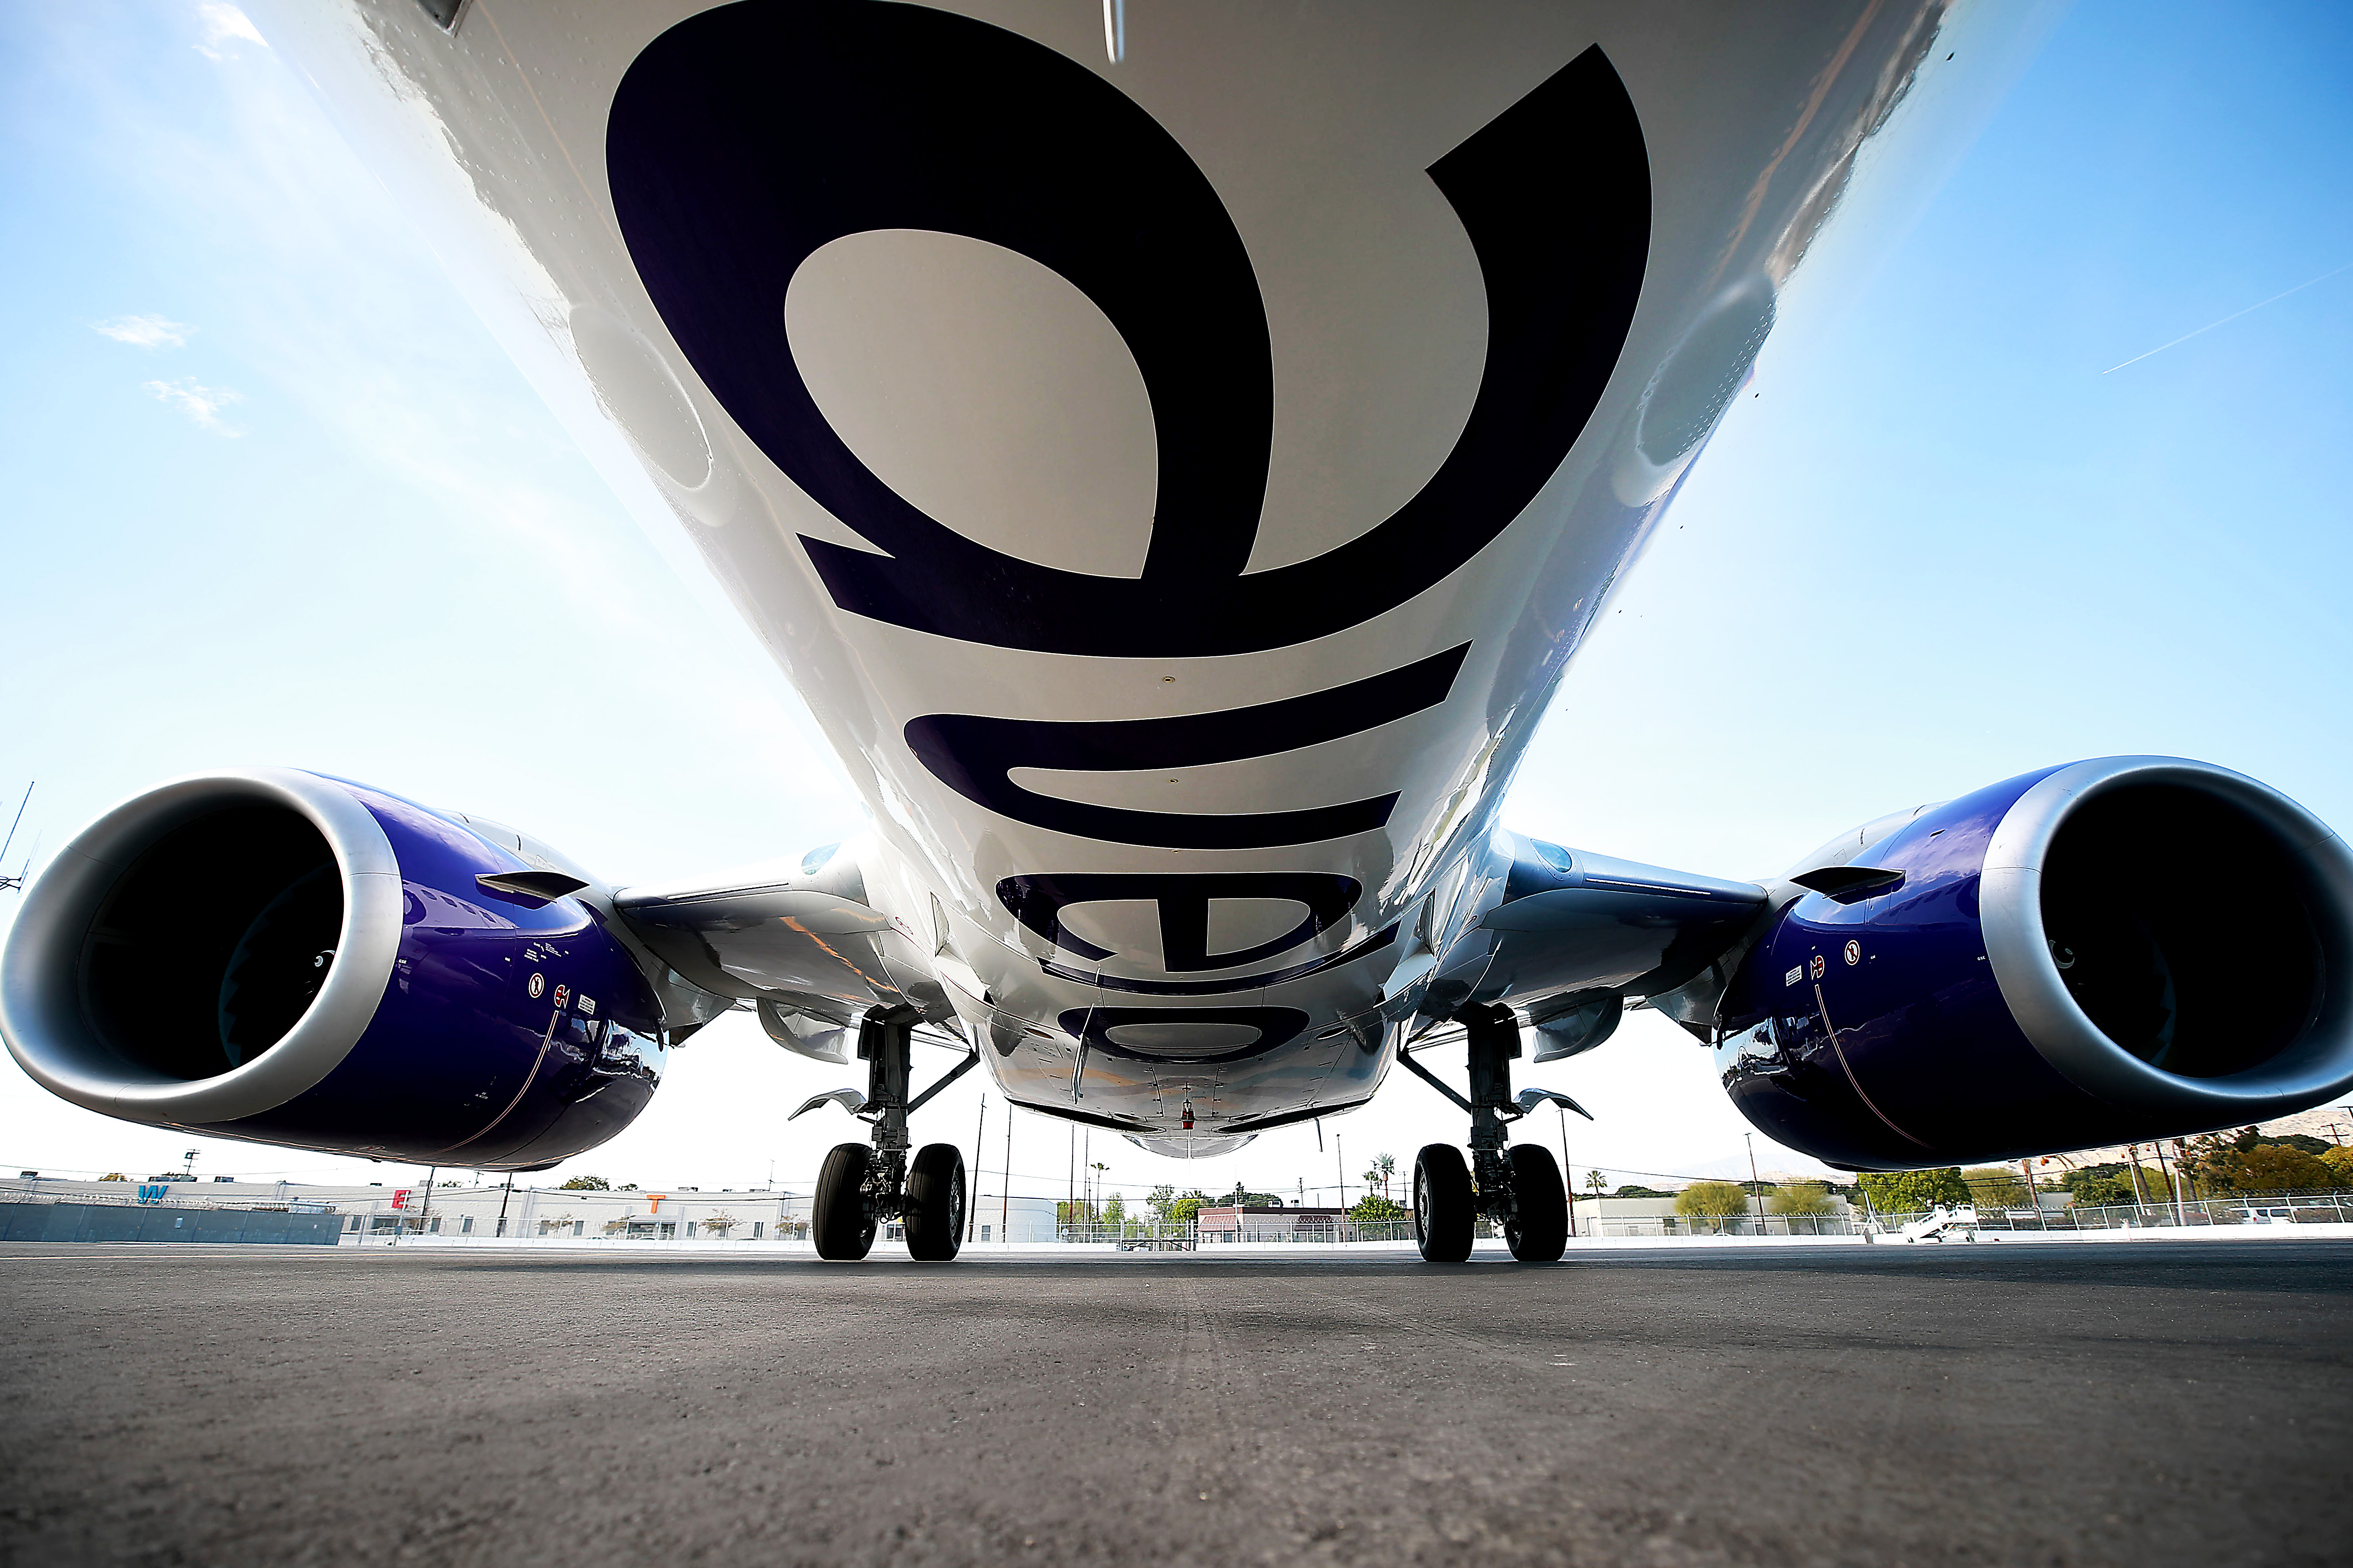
1177, 463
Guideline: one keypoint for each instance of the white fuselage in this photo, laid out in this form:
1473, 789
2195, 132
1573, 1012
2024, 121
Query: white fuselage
1176, 485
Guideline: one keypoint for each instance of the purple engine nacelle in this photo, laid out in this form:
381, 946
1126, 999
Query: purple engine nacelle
291, 958
2110, 951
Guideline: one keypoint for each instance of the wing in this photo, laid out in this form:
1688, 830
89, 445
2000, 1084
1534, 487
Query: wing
1569, 937
802, 946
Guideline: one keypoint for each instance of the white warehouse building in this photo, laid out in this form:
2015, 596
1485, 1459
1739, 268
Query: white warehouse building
462, 1210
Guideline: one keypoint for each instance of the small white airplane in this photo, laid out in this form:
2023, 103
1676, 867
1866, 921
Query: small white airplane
1177, 456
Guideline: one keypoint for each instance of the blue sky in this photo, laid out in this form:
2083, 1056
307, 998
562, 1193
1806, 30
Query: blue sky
315, 517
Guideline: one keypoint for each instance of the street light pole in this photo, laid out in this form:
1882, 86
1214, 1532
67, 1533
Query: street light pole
1566, 1185
972, 1209
1756, 1187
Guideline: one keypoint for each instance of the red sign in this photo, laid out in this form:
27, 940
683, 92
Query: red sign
400, 1196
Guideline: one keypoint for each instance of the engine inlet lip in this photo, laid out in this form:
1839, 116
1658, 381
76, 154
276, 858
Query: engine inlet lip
41, 1013
2017, 947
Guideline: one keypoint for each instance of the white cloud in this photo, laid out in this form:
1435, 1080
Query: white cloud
145, 331
201, 404
225, 25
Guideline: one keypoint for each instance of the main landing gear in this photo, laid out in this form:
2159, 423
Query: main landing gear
1519, 1188
861, 1186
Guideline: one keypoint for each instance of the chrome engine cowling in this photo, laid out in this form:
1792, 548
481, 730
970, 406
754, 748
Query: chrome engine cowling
2113, 950
292, 958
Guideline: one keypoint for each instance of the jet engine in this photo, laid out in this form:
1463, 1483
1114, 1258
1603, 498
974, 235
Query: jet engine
2110, 951
294, 959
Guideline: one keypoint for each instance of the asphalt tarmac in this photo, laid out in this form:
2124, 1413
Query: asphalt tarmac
2078, 1404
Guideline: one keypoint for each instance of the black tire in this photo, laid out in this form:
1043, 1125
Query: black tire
1539, 1231
844, 1230
1442, 1210
935, 1198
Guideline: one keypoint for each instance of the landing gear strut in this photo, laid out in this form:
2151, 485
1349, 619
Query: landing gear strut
863, 1186
1519, 1188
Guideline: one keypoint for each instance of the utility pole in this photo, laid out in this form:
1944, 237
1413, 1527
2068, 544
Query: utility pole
972, 1210
1342, 1161
426, 1214
1004, 1205
1756, 1187
2173, 1180
502, 1202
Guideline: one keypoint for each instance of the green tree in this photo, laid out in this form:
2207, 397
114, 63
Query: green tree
1711, 1201
1383, 1171
2339, 1160
1800, 1198
2212, 1160
1160, 1200
2277, 1168
1632, 1190
1377, 1207
2303, 1140
1905, 1192
1995, 1187
1114, 1210
722, 1223
1187, 1209
585, 1184
2112, 1185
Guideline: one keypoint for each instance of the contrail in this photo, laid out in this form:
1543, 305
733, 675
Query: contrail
2232, 317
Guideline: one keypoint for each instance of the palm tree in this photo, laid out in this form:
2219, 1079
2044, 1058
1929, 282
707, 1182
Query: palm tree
1384, 1168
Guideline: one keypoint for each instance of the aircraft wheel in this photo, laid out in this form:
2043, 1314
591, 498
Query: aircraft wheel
1539, 1232
843, 1229
935, 1198
1442, 1209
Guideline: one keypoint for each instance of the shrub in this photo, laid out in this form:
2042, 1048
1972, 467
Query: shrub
1711, 1200
1800, 1198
